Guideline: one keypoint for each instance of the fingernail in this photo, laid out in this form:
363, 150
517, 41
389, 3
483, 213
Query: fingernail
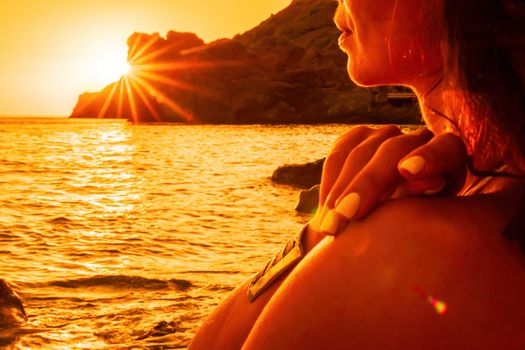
330, 222
413, 165
436, 190
349, 205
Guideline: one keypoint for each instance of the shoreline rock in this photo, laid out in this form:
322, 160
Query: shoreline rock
308, 200
306, 176
299, 175
12, 315
12, 312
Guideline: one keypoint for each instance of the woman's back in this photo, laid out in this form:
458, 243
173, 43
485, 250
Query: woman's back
416, 274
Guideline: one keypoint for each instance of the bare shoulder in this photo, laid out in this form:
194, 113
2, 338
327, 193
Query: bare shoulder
432, 274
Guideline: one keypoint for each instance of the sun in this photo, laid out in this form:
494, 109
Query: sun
123, 69
103, 65
140, 86
112, 67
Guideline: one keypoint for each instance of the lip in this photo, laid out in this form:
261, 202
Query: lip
343, 38
344, 27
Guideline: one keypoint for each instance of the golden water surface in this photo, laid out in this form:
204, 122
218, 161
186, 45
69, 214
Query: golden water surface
126, 236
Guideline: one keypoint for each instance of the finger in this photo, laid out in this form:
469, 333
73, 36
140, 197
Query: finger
337, 156
425, 187
378, 177
444, 153
357, 159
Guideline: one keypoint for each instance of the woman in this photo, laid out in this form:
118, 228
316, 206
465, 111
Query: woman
415, 273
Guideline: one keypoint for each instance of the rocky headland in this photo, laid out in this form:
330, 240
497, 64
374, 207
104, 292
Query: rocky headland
288, 69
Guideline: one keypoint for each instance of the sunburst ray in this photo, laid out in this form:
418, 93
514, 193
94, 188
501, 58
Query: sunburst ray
152, 55
139, 90
188, 64
163, 99
172, 82
152, 40
131, 101
108, 100
147, 79
133, 48
120, 102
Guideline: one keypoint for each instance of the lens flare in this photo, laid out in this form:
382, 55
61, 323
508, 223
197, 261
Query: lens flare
439, 306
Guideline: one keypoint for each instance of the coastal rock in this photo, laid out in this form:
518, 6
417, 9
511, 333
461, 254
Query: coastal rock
306, 176
308, 200
299, 175
289, 69
12, 312
161, 329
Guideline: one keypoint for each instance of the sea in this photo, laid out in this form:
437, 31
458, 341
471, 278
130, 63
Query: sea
123, 236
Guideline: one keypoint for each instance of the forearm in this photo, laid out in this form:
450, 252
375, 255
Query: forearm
230, 323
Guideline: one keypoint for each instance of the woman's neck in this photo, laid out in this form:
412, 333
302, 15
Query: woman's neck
440, 116
436, 107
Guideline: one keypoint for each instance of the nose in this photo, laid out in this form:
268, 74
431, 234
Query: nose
341, 18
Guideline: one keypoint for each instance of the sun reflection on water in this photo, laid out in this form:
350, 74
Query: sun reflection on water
104, 178
90, 206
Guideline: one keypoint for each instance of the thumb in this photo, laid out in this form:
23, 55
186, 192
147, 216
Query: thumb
443, 154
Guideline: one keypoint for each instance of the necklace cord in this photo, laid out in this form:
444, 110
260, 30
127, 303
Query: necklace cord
515, 228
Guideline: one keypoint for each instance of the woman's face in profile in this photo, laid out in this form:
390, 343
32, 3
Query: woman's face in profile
390, 41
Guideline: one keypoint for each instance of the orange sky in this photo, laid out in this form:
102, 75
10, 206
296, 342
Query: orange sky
52, 50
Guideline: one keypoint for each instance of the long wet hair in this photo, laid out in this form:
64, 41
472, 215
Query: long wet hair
484, 50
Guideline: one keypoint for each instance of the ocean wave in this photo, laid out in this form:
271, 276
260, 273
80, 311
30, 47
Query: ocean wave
123, 282
60, 220
11, 162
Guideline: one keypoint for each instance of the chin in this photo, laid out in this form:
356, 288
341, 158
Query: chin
368, 76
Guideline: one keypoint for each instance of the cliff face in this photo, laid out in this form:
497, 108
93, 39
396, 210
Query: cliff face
288, 69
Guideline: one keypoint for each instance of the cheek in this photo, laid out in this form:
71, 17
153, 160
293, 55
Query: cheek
369, 58
414, 54
369, 53
415, 37
393, 43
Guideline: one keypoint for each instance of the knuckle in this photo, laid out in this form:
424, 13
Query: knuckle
391, 144
340, 143
355, 134
333, 160
335, 155
453, 140
423, 131
360, 130
404, 142
443, 149
359, 153
390, 130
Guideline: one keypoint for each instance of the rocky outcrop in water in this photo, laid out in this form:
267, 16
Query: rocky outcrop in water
306, 176
299, 175
161, 329
288, 69
308, 200
12, 315
12, 312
